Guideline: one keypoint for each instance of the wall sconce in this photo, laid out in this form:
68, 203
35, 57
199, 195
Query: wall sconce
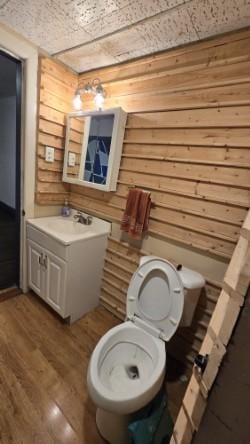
96, 89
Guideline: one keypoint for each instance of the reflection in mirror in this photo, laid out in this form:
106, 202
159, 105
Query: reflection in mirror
76, 134
98, 149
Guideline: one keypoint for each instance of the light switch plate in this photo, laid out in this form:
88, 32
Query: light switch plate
71, 159
49, 154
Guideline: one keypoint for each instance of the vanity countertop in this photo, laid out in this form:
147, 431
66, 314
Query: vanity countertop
67, 230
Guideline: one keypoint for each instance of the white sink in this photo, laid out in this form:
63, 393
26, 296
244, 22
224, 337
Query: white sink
67, 230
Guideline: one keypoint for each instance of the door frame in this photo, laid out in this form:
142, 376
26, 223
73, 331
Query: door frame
19, 160
23, 51
18, 154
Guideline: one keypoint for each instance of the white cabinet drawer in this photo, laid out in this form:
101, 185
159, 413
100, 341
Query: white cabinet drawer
47, 242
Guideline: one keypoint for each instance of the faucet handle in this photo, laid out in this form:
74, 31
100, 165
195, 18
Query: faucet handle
78, 214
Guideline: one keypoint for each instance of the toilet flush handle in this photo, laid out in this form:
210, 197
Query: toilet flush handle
131, 298
173, 321
177, 290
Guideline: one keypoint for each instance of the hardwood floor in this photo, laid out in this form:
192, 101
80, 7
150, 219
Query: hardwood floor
43, 367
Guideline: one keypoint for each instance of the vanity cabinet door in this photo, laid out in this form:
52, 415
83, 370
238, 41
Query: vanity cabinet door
55, 282
36, 268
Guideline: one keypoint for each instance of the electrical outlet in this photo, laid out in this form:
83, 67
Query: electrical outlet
71, 159
49, 154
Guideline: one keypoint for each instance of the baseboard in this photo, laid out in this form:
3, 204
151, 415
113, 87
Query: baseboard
9, 293
11, 211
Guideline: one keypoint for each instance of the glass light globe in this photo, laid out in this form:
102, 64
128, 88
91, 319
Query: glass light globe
99, 99
77, 102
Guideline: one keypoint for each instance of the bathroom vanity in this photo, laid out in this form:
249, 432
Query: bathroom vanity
65, 262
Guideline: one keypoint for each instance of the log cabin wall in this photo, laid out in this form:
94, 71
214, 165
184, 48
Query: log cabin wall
187, 140
57, 87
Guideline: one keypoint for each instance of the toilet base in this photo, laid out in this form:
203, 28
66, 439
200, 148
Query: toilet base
113, 427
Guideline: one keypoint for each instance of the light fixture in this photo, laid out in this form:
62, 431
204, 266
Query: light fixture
96, 89
99, 99
77, 101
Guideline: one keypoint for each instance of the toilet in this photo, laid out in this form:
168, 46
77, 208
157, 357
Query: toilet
127, 366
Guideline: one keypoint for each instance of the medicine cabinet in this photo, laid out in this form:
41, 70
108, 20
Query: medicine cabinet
93, 148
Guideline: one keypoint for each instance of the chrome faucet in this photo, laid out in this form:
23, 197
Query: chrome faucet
85, 220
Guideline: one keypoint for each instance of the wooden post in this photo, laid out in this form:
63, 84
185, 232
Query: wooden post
231, 299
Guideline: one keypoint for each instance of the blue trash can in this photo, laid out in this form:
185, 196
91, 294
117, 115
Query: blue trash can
153, 423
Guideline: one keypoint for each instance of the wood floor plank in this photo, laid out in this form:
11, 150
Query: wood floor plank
22, 424
33, 345
43, 368
41, 402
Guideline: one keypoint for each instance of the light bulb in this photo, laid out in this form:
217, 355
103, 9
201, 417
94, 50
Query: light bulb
99, 99
77, 102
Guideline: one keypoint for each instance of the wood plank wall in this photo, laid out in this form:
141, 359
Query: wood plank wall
57, 86
188, 141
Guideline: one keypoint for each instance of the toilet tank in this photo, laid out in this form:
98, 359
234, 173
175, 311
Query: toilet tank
193, 282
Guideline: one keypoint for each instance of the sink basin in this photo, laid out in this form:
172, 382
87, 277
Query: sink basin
67, 230
65, 226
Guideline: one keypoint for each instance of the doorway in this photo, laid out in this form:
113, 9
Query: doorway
10, 169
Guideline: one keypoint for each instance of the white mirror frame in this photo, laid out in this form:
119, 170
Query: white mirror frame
120, 118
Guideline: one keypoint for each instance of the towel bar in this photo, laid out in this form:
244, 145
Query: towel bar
153, 205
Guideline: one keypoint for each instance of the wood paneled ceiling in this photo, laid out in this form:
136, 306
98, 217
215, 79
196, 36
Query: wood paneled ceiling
88, 34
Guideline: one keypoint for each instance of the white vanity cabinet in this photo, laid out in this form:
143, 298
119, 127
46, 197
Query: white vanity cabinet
66, 275
35, 269
55, 282
47, 276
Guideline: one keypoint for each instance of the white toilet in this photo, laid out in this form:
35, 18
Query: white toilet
127, 367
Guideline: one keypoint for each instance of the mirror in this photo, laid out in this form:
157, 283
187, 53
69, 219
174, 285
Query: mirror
93, 148
96, 161
75, 141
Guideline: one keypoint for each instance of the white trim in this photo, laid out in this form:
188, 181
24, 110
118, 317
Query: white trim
84, 145
120, 117
18, 47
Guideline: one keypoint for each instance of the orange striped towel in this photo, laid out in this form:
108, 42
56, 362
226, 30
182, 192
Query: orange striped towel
136, 215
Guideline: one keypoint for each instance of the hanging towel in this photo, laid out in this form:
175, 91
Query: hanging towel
136, 215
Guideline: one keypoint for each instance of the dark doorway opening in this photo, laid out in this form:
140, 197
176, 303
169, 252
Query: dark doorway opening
10, 169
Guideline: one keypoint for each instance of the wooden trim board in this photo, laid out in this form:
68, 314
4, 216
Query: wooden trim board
236, 283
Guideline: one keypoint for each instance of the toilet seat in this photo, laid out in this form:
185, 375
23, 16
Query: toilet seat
155, 298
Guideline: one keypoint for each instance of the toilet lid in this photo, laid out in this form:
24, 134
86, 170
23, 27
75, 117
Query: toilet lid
156, 297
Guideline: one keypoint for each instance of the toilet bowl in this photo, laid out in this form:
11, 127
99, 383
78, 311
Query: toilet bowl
127, 366
126, 369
